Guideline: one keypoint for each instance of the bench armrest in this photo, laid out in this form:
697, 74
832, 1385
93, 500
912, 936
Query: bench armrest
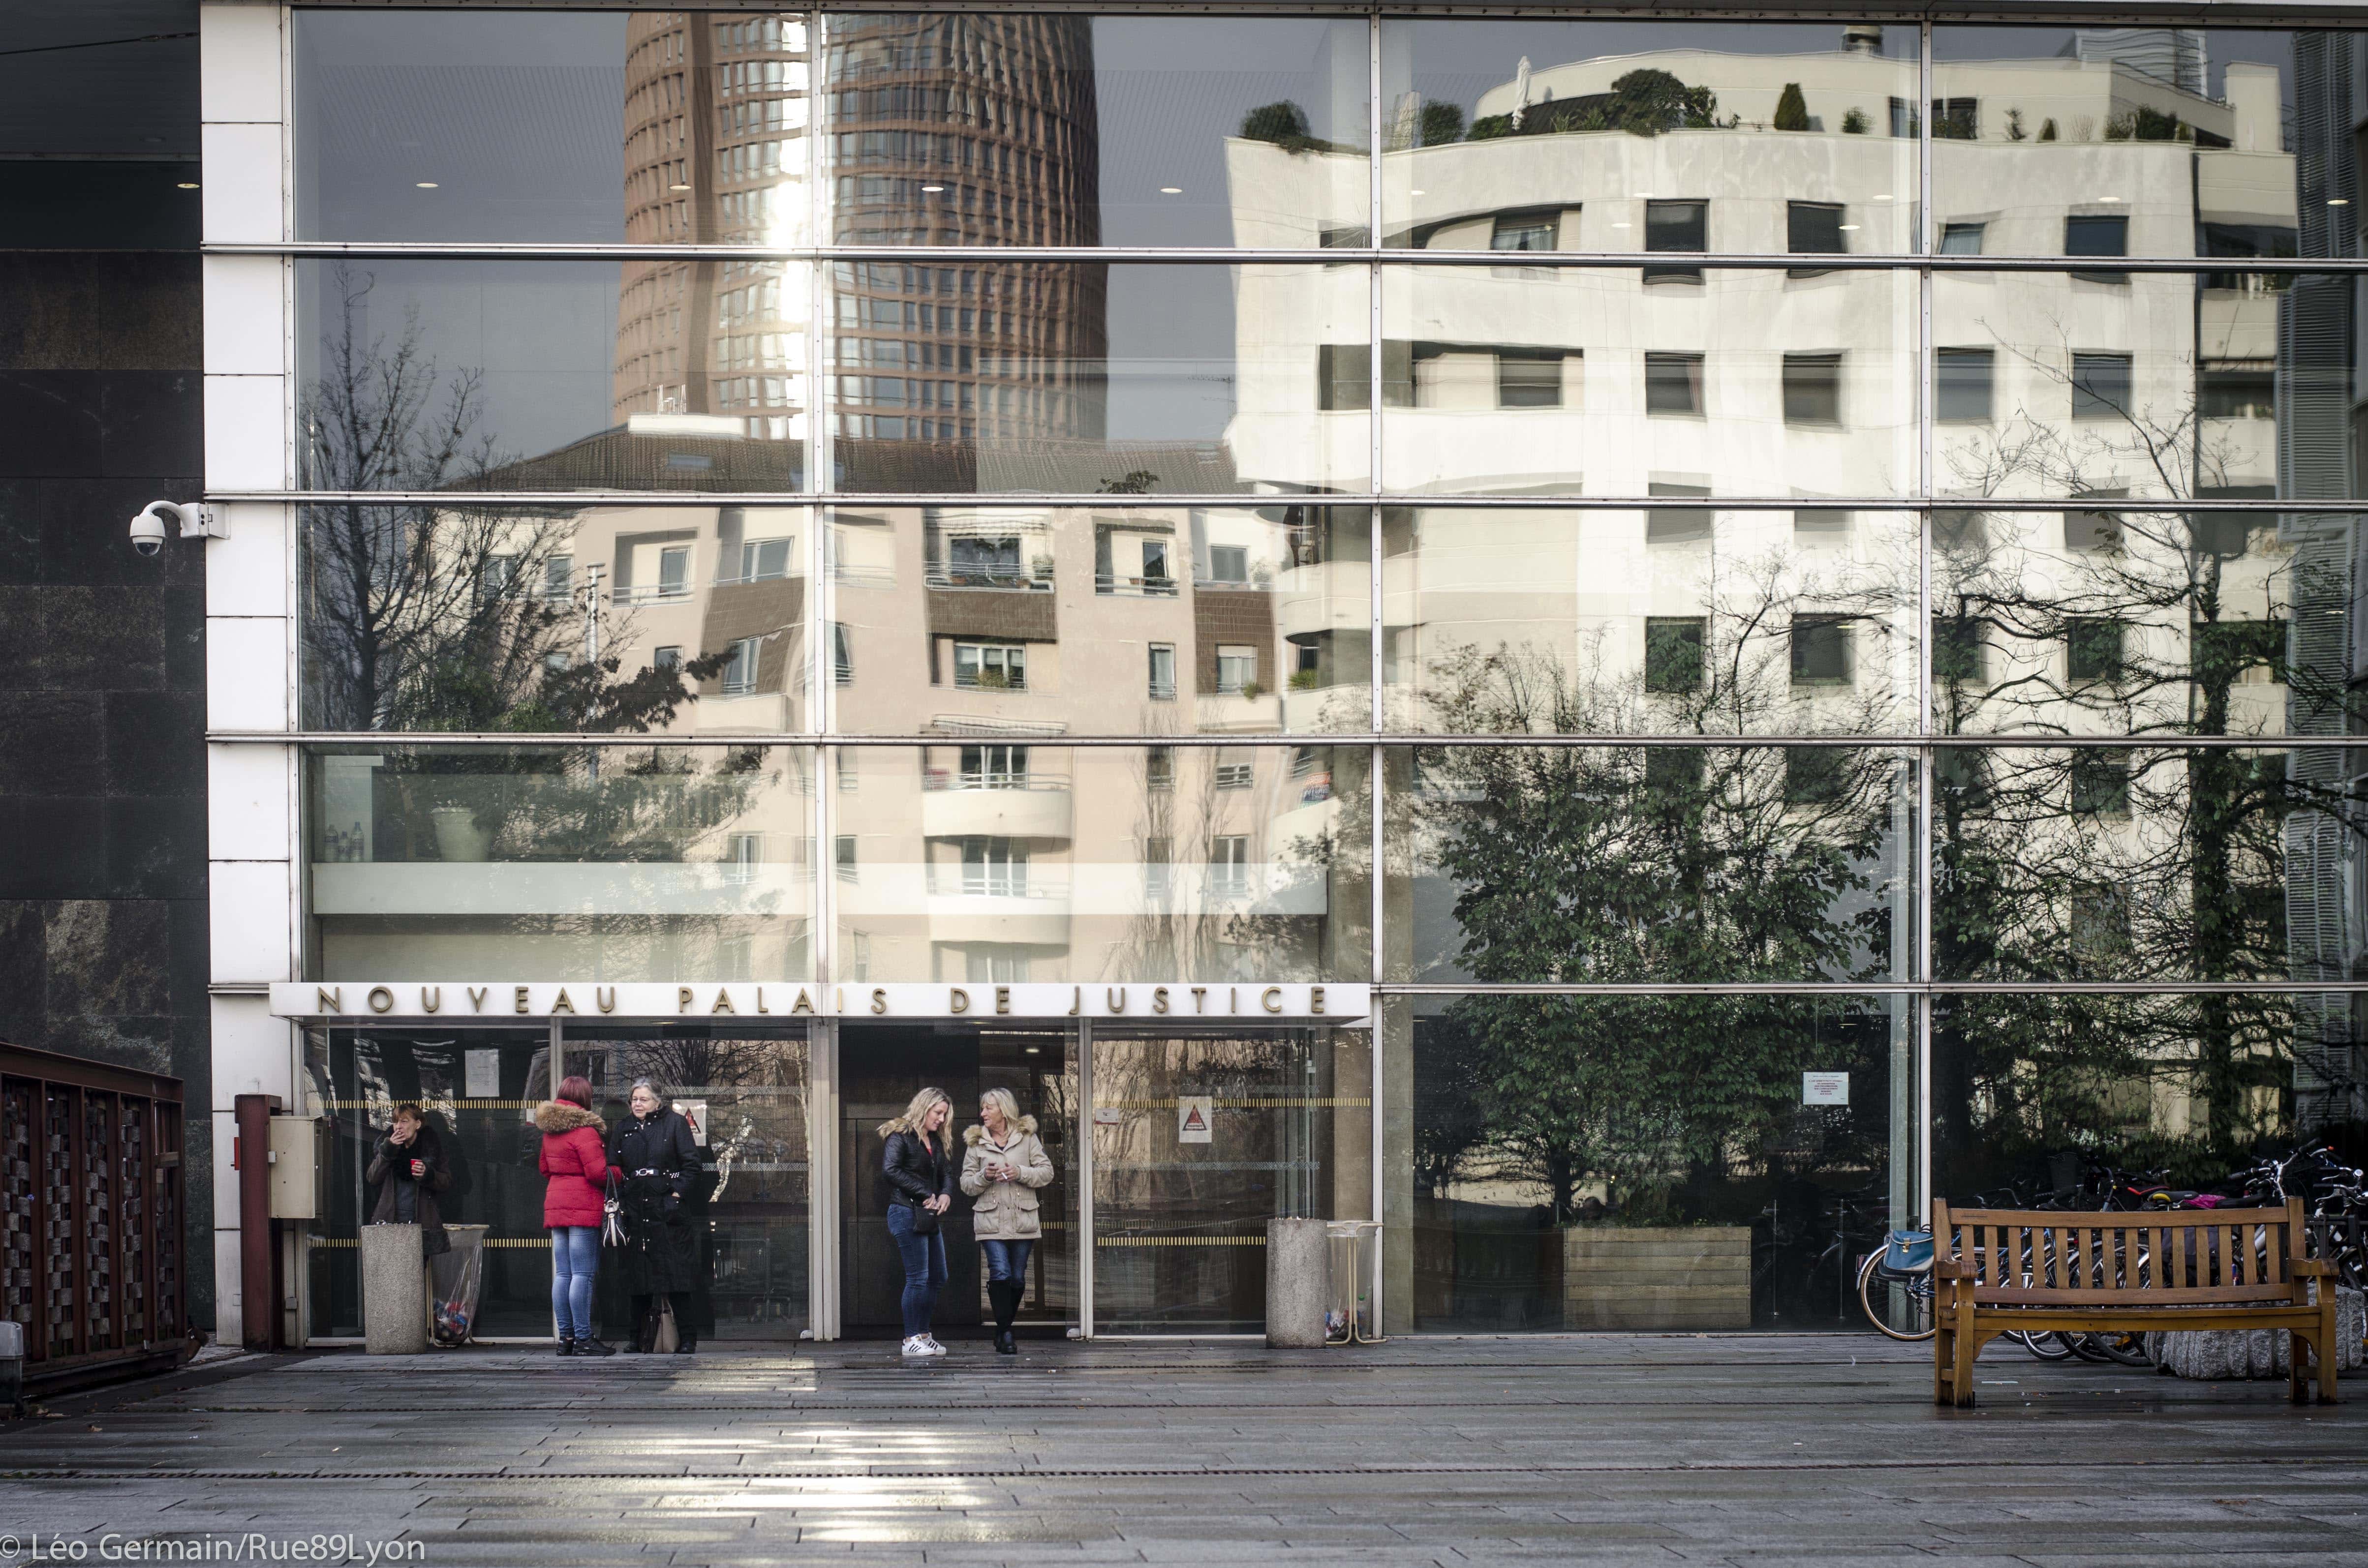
1954, 1268
2311, 1268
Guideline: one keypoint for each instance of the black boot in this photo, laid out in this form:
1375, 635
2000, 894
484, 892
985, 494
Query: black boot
1005, 1297
589, 1346
567, 1344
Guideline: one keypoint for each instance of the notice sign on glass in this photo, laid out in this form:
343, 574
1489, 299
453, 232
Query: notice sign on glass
1193, 1113
483, 1071
1825, 1088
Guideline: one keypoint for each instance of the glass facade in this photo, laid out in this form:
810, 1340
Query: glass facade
1686, 562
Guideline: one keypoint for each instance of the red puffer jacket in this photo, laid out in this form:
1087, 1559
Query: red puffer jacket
576, 1160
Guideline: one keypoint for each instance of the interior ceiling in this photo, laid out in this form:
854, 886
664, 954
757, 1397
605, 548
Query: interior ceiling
121, 100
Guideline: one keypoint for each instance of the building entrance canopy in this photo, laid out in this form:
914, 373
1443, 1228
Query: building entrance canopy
1243, 1000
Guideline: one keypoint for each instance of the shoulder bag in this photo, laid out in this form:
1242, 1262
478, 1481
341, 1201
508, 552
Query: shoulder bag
612, 1217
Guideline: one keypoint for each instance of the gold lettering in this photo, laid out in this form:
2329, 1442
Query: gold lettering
1315, 999
560, 1004
841, 1005
879, 999
1200, 996
1114, 998
431, 998
477, 997
329, 1000
1076, 999
1271, 998
1159, 998
682, 998
518, 998
1003, 998
957, 1000
381, 999
802, 1005
607, 996
1232, 998
760, 1001
723, 1002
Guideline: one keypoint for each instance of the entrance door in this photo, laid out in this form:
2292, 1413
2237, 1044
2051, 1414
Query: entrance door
1199, 1141
881, 1068
745, 1097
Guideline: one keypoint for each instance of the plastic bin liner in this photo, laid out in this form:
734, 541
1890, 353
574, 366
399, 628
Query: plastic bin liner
455, 1278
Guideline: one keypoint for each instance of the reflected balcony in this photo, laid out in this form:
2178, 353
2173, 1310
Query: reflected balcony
964, 906
1000, 806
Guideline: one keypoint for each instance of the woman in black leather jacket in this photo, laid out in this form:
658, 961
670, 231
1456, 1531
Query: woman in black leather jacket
659, 1155
919, 1170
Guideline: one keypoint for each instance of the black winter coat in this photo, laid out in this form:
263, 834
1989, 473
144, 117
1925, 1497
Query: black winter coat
660, 1252
912, 1171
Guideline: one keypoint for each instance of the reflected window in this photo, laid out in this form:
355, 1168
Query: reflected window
1673, 384
668, 657
1959, 656
842, 655
994, 867
1529, 377
2098, 234
2094, 530
1815, 775
1525, 231
744, 852
1813, 388
991, 666
2093, 650
1229, 564
1229, 866
1158, 868
764, 559
1676, 525
1236, 775
1675, 647
1674, 771
1965, 381
558, 577
1163, 673
1160, 768
1814, 227
2100, 386
1961, 239
1676, 226
843, 857
1238, 670
1956, 119
995, 767
2100, 784
740, 669
1961, 775
1821, 650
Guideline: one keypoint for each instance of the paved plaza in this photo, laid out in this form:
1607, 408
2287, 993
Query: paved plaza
1659, 1449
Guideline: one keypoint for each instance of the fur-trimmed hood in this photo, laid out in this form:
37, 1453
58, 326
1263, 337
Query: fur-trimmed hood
977, 1134
555, 1116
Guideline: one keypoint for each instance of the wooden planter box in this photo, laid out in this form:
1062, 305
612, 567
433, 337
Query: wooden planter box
1675, 1276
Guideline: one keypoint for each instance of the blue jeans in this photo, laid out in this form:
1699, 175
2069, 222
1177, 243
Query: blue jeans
574, 1258
1007, 1261
925, 1267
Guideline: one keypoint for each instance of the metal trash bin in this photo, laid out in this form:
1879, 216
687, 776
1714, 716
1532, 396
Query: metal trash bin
1348, 1306
455, 1280
12, 1368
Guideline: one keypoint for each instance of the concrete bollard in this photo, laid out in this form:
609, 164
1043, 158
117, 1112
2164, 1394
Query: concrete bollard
1298, 1258
395, 1291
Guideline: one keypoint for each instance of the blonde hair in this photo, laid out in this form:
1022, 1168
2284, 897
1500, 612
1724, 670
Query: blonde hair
1002, 1100
917, 1112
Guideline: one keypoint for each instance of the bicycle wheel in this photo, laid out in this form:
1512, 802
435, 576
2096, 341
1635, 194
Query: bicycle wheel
1902, 1314
2125, 1349
2086, 1346
2047, 1346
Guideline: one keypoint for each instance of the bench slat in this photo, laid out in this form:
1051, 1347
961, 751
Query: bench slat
2003, 1295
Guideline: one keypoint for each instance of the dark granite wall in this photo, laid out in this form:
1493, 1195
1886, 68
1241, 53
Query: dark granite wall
102, 677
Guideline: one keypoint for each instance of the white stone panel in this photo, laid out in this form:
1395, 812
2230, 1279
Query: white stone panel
238, 63
249, 910
246, 575
247, 802
243, 180
245, 322
246, 673
247, 432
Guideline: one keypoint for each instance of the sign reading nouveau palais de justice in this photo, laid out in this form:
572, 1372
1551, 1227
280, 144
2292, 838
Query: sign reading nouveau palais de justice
1246, 1000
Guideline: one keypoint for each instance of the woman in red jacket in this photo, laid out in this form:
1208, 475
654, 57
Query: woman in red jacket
575, 1158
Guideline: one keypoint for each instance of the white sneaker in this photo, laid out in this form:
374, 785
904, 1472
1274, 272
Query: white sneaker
931, 1341
918, 1346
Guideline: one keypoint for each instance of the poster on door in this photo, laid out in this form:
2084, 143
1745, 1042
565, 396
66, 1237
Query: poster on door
695, 1113
1193, 1113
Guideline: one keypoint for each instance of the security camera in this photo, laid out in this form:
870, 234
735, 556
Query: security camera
194, 521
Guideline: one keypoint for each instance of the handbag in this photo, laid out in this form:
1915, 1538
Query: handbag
612, 1217
665, 1334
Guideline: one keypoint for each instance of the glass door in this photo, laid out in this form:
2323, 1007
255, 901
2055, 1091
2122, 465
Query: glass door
746, 1095
1198, 1140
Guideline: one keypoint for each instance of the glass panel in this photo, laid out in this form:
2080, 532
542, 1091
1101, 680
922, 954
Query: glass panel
2032, 1095
1199, 1141
1621, 136
1084, 377
1650, 1163
660, 128
2119, 622
475, 616
488, 863
882, 1064
576, 375
2144, 863
1544, 621
745, 1214
477, 1088
1624, 865
2173, 386
1152, 620
1096, 864
2116, 140
1604, 381
1049, 130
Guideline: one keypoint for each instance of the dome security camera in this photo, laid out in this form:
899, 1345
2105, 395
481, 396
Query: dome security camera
193, 520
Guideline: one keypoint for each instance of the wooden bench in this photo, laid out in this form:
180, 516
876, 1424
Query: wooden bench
2003, 1271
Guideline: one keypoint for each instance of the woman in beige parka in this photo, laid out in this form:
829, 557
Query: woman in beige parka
1002, 1168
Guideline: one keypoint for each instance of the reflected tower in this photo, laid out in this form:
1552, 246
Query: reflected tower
962, 129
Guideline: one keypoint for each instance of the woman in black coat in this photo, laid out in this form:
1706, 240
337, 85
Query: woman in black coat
654, 1148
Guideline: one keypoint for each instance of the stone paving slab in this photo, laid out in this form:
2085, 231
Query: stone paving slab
1436, 1453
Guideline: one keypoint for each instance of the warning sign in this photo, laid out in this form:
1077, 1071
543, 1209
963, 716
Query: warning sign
695, 1113
1825, 1088
1193, 1113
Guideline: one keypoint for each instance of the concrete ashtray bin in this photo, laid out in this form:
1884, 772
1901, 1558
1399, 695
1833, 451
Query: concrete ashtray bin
395, 1291
12, 1368
1298, 1279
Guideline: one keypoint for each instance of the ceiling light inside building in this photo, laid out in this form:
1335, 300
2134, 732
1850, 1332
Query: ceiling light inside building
1850, 228
933, 189
189, 185
427, 184
1171, 191
677, 187
2331, 201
